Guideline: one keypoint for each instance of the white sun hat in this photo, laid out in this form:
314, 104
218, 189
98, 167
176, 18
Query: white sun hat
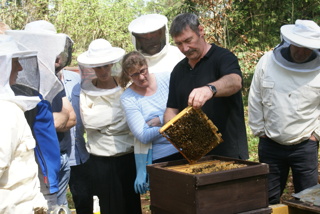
304, 33
147, 23
100, 52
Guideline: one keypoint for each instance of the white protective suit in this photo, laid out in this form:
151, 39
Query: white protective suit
284, 99
19, 183
169, 56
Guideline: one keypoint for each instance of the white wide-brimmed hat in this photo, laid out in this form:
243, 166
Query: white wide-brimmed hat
100, 52
304, 33
147, 23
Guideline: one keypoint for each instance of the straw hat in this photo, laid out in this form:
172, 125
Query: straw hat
100, 53
304, 33
147, 23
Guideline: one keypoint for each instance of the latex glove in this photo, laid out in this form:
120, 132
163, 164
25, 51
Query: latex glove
141, 184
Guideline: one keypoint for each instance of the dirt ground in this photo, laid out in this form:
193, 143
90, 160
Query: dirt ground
145, 203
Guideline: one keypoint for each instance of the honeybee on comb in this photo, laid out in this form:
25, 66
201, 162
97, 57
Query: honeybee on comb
192, 133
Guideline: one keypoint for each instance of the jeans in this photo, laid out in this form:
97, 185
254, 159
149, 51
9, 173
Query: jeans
64, 176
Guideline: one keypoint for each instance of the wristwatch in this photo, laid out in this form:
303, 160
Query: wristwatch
213, 89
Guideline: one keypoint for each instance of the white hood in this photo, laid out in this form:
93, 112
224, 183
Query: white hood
297, 67
48, 46
169, 56
9, 50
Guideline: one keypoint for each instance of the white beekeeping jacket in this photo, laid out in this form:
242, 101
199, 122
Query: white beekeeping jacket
279, 88
19, 183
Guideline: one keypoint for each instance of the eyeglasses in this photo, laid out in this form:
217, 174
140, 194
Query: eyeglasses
137, 74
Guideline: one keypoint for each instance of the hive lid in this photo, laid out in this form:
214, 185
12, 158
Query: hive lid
192, 133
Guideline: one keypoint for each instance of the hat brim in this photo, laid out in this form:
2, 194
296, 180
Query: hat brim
96, 61
290, 36
22, 54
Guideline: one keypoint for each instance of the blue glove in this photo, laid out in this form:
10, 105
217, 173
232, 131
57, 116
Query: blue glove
141, 184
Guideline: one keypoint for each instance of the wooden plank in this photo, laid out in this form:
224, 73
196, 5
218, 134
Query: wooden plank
279, 208
298, 207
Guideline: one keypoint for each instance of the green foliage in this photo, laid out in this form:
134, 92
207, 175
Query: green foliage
87, 20
17, 14
257, 23
249, 24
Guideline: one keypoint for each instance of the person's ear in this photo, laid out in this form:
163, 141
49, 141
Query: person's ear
201, 30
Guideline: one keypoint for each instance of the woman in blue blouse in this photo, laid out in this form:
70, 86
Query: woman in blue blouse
144, 102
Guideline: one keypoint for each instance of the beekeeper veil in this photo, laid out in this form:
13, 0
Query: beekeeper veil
19, 74
99, 54
147, 24
304, 33
53, 48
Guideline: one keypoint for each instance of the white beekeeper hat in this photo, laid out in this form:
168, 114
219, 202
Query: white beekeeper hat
40, 26
304, 33
9, 49
9, 46
147, 23
99, 53
41, 36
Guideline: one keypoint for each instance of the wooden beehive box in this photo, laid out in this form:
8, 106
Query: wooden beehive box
230, 191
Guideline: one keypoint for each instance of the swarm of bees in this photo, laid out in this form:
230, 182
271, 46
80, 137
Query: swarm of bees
192, 133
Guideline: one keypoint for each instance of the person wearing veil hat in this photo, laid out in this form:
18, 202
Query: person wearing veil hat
150, 36
19, 184
54, 114
110, 142
284, 108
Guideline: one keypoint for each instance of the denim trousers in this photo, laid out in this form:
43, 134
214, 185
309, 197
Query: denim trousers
64, 176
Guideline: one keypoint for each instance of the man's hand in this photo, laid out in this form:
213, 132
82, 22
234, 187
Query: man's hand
199, 96
313, 138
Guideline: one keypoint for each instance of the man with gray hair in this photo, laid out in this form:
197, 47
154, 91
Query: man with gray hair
208, 78
284, 108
